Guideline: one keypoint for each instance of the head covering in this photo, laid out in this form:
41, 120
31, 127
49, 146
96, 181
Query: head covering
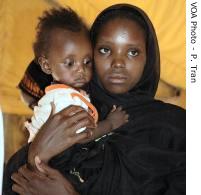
149, 81
146, 88
34, 81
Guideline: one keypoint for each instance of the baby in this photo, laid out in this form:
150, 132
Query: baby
63, 49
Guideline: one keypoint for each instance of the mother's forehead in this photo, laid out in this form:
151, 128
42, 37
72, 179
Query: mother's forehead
125, 12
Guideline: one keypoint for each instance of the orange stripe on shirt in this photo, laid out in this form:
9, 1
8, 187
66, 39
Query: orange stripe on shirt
93, 112
56, 86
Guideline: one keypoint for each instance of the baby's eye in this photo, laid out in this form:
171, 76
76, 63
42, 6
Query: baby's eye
104, 50
133, 53
87, 61
68, 63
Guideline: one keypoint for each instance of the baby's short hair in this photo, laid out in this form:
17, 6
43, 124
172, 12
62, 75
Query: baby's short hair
64, 18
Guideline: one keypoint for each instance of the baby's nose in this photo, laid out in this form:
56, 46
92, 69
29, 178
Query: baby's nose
79, 67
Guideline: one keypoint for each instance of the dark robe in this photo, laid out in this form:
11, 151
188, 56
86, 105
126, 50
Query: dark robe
144, 157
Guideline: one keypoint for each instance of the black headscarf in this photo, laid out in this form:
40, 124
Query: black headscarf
145, 89
144, 157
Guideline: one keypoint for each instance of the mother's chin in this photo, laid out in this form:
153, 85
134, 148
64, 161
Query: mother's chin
117, 84
116, 87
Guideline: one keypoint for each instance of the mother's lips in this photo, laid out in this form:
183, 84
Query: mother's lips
117, 78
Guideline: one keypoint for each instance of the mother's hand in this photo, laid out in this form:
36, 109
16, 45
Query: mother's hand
59, 133
31, 183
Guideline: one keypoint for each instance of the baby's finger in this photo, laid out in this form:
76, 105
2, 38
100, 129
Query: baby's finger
114, 107
127, 116
124, 112
119, 108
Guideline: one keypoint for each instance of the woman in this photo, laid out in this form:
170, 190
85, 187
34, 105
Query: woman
145, 156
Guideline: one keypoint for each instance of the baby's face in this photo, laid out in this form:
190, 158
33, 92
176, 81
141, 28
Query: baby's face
70, 57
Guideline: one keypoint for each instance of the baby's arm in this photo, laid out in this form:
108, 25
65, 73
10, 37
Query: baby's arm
116, 118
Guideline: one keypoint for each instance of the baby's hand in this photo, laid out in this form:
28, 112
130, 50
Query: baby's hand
117, 117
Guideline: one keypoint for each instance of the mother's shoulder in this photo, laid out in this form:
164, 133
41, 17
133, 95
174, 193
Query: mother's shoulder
168, 106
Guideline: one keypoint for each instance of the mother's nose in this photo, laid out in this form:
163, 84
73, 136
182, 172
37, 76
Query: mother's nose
118, 63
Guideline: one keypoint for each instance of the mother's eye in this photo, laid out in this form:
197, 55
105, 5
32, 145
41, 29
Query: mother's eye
133, 52
104, 50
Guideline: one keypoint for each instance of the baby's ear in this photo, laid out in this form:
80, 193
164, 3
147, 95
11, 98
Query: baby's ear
44, 65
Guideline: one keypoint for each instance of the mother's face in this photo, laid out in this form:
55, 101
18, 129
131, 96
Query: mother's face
120, 55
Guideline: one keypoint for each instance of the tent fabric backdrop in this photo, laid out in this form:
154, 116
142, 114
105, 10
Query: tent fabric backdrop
18, 19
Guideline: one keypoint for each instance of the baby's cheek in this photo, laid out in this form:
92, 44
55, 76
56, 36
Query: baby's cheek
89, 74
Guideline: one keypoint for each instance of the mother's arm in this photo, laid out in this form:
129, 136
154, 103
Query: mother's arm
59, 133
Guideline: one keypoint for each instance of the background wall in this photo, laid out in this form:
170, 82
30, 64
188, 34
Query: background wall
18, 19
